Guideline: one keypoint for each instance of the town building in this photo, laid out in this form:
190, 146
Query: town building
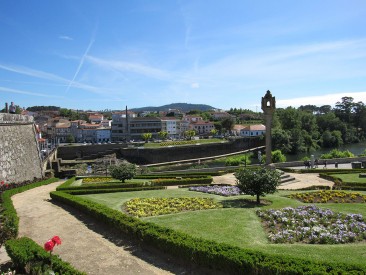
253, 130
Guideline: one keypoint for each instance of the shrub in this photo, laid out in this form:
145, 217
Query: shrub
277, 156
335, 153
123, 171
26, 254
237, 160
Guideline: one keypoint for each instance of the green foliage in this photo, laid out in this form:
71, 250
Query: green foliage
123, 171
227, 123
70, 138
24, 252
244, 159
258, 182
306, 128
146, 136
189, 134
163, 134
213, 131
277, 156
335, 153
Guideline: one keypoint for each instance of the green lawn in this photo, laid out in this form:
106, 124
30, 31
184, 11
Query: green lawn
176, 143
240, 225
351, 178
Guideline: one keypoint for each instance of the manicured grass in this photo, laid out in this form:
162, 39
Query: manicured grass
351, 177
176, 143
240, 226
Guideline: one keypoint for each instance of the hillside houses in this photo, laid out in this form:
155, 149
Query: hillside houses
127, 125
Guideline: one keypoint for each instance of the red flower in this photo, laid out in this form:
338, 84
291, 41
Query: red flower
49, 245
2, 182
56, 240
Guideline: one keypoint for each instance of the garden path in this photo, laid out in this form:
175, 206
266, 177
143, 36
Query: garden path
88, 246
301, 180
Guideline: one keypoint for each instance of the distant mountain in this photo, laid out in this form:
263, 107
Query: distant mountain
184, 107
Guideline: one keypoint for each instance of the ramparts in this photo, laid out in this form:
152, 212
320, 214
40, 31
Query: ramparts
158, 155
19, 153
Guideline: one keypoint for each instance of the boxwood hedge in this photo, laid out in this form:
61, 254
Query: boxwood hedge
26, 252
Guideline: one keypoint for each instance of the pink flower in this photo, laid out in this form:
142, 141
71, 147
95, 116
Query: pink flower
56, 240
49, 245
2, 182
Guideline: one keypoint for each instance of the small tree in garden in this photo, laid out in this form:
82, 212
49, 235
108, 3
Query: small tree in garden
146, 136
163, 135
257, 182
123, 171
189, 134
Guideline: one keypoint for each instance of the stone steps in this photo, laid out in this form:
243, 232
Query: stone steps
287, 179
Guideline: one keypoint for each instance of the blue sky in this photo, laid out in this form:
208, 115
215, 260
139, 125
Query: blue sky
89, 54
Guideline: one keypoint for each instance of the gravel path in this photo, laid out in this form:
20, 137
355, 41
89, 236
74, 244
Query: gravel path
89, 247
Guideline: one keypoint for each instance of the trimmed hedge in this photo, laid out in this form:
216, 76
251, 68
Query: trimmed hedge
9, 217
169, 176
111, 190
331, 171
183, 181
25, 251
340, 184
217, 256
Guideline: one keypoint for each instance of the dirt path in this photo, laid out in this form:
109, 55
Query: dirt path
89, 247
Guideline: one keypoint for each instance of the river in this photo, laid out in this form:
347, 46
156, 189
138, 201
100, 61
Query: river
356, 149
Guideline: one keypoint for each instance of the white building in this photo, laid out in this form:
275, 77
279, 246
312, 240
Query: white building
103, 134
253, 130
171, 126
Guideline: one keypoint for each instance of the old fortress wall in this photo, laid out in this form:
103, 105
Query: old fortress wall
19, 153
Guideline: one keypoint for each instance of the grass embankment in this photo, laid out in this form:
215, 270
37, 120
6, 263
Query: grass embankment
240, 226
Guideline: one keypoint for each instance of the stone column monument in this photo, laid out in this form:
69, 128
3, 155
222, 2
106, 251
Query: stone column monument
268, 107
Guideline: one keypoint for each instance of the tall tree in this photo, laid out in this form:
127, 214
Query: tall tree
344, 109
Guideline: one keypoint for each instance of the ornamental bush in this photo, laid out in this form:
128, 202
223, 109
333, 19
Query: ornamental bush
123, 171
258, 182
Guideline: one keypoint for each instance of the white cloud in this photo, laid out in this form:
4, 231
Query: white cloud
7, 90
123, 66
327, 99
65, 37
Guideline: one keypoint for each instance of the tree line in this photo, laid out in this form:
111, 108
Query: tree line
310, 127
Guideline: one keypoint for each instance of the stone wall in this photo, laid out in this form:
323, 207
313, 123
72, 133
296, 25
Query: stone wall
19, 153
158, 155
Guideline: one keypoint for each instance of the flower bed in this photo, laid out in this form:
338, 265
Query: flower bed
310, 224
218, 190
326, 196
144, 207
97, 179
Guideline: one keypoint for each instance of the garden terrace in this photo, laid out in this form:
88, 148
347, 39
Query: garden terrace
231, 239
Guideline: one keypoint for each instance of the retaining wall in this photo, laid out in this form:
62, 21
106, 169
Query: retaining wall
19, 153
158, 155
